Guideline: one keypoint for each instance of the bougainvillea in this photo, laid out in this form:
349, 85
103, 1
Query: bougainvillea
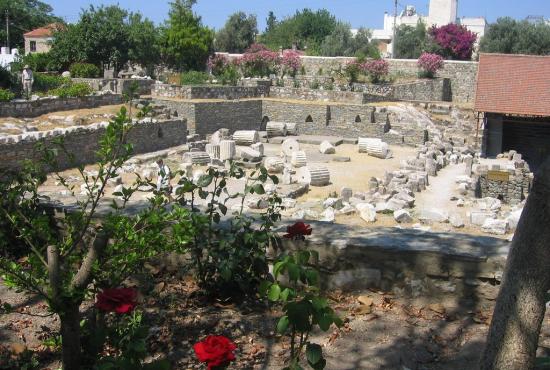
258, 61
291, 61
216, 351
119, 300
430, 63
376, 69
455, 41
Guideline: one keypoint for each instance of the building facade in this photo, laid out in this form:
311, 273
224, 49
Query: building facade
441, 12
40, 39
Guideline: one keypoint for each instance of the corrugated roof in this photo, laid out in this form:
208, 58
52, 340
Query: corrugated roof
513, 84
46, 31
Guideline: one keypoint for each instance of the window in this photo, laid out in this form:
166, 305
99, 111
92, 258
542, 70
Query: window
33, 46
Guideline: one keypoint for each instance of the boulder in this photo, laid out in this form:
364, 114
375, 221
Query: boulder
395, 204
433, 215
479, 217
333, 203
367, 212
327, 148
328, 215
456, 220
402, 216
249, 154
494, 226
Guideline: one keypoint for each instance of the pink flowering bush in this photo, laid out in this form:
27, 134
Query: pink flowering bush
454, 41
291, 62
430, 63
376, 69
217, 64
258, 61
352, 70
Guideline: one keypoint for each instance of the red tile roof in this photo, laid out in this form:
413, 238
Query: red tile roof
513, 84
46, 31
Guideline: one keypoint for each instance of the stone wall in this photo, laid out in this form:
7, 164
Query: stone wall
209, 92
118, 85
82, 142
512, 191
23, 108
313, 118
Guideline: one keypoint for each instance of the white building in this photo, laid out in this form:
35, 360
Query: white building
441, 12
7, 57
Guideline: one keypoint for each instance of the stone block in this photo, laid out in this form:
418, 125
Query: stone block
402, 216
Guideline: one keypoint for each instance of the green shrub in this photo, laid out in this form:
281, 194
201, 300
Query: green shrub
39, 62
8, 79
6, 95
84, 70
44, 82
193, 78
72, 90
230, 76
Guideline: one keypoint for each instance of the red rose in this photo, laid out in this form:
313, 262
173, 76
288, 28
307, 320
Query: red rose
119, 300
298, 231
215, 350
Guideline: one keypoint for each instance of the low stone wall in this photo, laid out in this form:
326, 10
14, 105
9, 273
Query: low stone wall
118, 85
209, 92
511, 190
82, 142
23, 108
423, 90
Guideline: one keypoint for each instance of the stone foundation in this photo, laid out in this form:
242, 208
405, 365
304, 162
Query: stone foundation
83, 142
23, 108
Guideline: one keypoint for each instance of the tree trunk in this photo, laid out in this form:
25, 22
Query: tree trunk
514, 332
70, 336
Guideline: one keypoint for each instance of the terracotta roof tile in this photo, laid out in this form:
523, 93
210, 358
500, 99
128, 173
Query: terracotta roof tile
513, 84
46, 31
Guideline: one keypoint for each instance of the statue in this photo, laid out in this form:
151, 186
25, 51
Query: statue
27, 79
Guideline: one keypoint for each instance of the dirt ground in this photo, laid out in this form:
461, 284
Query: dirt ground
390, 331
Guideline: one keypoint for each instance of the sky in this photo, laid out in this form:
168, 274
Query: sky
359, 13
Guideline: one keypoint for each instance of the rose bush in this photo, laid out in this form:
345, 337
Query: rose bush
216, 351
298, 231
258, 61
217, 64
119, 300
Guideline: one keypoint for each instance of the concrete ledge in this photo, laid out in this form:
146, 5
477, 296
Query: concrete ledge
444, 255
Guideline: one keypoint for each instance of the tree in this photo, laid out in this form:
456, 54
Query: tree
306, 29
271, 21
185, 42
144, 42
452, 41
107, 37
364, 46
509, 36
238, 33
410, 41
514, 332
339, 43
25, 15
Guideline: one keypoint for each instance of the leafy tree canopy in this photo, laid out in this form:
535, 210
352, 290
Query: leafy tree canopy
341, 42
238, 33
107, 36
509, 36
185, 42
25, 15
410, 41
306, 29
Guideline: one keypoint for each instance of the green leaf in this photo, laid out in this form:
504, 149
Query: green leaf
282, 325
298, 314
259, 189
303, 257
274, 292
319, 303
278, 267
204, 181
293, 271
314, 353
284, 294
319, 365
264, 286
325, 321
